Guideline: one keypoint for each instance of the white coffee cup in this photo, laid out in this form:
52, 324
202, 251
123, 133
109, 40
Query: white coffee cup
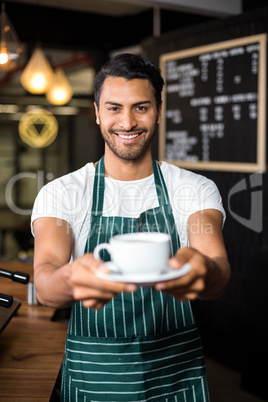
137, 254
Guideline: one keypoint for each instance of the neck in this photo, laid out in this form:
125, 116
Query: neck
127, 170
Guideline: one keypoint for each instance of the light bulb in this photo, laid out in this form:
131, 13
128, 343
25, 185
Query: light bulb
38, 81
59, 94
60, 91
37, 76
10, 48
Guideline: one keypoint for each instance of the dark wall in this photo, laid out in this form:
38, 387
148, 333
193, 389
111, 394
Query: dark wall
233, 327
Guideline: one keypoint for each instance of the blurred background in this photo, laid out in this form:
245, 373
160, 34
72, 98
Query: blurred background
71, 40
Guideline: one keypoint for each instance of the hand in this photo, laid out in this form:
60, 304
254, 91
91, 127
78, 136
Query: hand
191, 285
93, 291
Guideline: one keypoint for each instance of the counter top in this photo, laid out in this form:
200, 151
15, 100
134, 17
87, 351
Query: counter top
31, 346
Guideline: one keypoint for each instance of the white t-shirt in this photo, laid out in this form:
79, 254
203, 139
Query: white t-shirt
70, 198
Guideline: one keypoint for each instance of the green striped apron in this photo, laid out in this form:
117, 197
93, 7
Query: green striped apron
141, 346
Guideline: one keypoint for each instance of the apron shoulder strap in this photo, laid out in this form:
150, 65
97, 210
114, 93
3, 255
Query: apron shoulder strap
98, 190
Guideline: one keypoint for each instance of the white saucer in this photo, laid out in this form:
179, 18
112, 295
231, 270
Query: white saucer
167, 275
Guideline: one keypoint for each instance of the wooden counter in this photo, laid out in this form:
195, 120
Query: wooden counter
31, 346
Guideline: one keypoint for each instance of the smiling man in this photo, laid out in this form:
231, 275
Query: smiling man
126, 342
127, 127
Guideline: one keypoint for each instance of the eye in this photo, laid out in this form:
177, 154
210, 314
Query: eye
113, 108
142, 108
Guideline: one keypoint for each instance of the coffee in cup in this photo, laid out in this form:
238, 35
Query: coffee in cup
137, 254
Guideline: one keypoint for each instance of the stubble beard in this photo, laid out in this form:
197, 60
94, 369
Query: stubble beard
128, 152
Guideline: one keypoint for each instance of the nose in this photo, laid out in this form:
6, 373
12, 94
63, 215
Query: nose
128, 120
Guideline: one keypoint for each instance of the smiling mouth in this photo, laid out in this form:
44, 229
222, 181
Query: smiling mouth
128, 137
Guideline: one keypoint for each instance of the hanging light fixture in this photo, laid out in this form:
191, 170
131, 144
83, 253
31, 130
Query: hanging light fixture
10, 47
37, 76
60, 91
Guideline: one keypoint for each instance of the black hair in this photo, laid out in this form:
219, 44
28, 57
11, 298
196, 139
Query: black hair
129, 66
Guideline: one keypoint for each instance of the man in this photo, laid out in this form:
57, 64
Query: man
125, 342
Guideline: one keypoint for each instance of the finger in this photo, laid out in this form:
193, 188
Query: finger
83, 293
182, 282
182, 256
115, 286
93, 286
186, 297
86, 276
89, 260
191, 296
94, 304
186, 282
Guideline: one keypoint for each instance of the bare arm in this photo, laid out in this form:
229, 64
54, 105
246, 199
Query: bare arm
60, 283
210, 270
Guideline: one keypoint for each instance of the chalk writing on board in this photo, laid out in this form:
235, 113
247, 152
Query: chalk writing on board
212, 104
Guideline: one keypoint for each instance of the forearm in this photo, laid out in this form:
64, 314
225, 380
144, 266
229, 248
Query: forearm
217, 278
213, 257
53, 285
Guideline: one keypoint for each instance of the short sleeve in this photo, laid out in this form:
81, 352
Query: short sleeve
51, 202
207, 196
191, 192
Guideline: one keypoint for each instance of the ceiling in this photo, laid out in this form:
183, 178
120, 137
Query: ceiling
108, 7
127, 7
78, 35
108, 24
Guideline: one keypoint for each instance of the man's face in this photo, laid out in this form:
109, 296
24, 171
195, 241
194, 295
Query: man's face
127, 116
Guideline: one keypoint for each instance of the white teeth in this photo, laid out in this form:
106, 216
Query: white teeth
128, 137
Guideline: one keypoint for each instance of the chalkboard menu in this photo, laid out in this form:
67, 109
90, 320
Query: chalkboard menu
214, 106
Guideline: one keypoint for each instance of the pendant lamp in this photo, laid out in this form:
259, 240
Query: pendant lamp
37, 76
60, 91
10, 47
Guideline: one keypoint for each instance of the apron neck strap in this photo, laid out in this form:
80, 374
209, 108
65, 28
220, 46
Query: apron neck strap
99, 182
98, 189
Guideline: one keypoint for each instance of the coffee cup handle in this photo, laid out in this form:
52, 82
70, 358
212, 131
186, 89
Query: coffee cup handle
99, 248
107, 247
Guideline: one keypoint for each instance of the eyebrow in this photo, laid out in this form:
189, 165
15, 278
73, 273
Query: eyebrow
134, 104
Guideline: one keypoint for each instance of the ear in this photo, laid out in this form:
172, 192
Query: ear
97, 114
159, 112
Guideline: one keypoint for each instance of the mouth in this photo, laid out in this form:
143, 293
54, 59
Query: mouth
129, 136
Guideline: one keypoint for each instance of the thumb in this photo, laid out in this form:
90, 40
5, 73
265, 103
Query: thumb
182, 256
